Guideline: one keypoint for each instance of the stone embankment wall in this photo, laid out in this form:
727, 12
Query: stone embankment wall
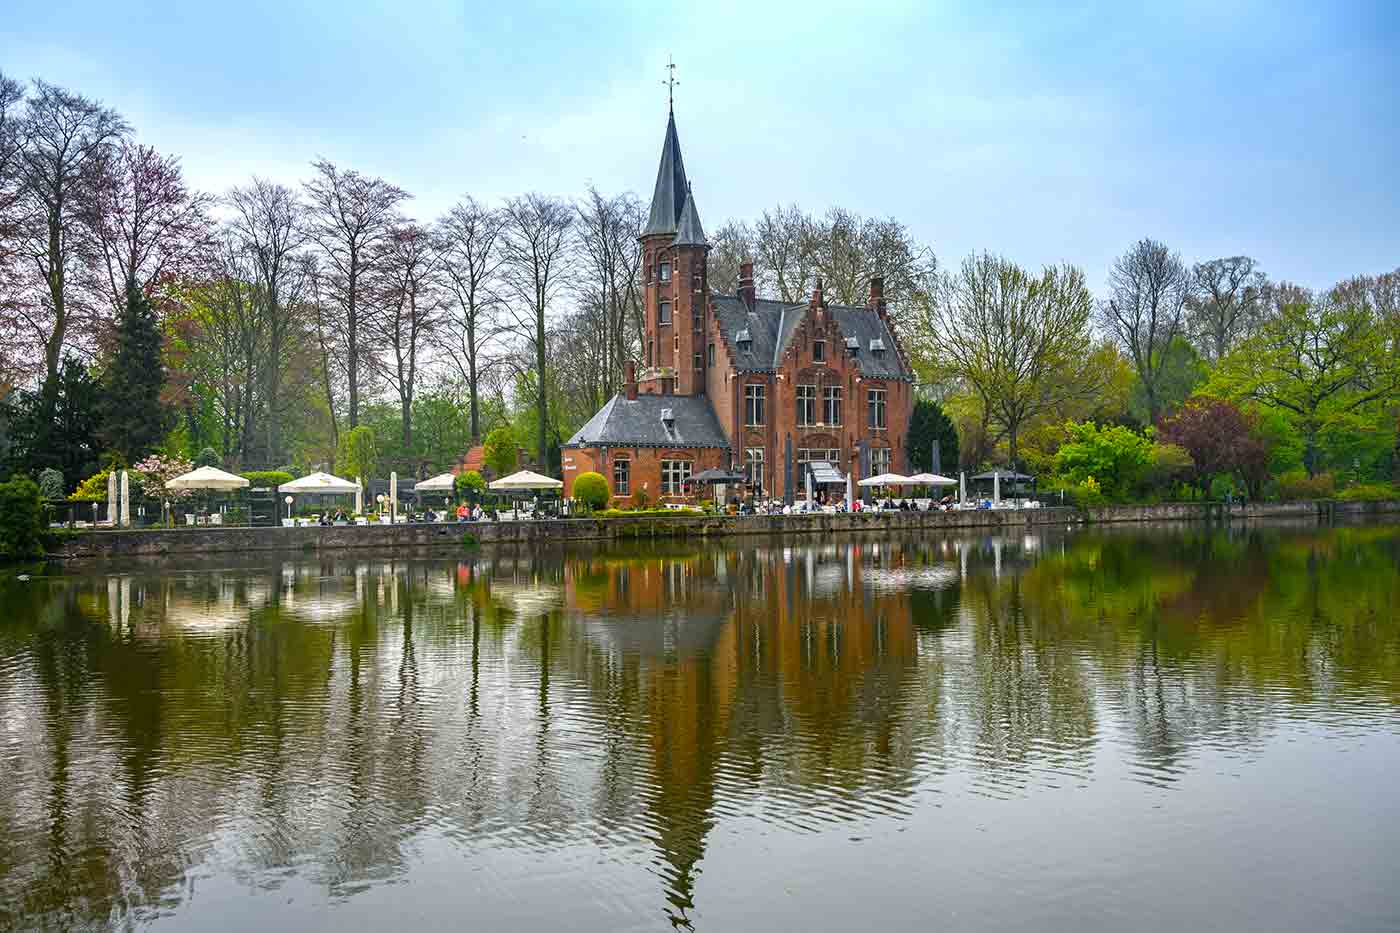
146, 542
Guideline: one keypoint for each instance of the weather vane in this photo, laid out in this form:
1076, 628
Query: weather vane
670, 83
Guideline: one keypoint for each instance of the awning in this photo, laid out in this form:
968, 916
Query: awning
323, 483
824, 474
1006, 476
525, 479
207, 477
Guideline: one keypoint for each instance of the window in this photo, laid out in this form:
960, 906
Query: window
753, 466
695, 360
674, 473
650, 354
665, 272
710, 353
695, 321
875, 399
819, 351
753, 405
622, 477
879, 460
663, 312
806, 405
831, 405
812, 454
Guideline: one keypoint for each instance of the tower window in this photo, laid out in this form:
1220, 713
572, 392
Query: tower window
664, 272
806, 405
622, 477
753, 405
875, 403
819, 350
695, 317
710, 352
695, 359
663, 312
831, 405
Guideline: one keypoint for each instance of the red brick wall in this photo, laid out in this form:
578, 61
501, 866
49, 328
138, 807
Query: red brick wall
645, 469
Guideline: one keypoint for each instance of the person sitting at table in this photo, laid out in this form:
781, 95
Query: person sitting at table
325, 518
462, 513
429, 515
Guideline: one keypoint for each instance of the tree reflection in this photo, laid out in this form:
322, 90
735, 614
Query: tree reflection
323, 716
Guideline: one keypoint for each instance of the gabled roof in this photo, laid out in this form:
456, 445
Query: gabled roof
772, 324
688, 230
639, 422
669, 197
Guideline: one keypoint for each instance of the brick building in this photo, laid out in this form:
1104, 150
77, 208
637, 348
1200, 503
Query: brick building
739, 382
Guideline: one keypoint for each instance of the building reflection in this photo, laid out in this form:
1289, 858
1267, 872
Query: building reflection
322, 716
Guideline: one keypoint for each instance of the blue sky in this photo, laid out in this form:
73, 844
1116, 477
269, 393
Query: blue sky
1046, 132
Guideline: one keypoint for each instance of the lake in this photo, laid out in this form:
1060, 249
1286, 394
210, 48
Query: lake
1132, 728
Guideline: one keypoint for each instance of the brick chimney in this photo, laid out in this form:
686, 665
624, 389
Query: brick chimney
817, 300
877, 294
746, 289
631, 380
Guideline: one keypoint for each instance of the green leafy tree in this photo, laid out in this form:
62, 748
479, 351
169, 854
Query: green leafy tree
134, 421
1180, 371
470, 485
23, 523
500, 451
1220, 438
1020, 343
358, 454
1113, 456
1328, 363
208, 457
57, 425
929, 423
51, 483
592, 490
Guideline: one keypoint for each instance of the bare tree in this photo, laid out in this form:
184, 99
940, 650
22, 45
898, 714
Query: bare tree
267, 223
11, 337
65, 139
148, 224
611, 255
785, 259
534, 271
730, 246
1021, 344
408, 304
328, 338
1226, 304
349, 214
466, 240
1144, 313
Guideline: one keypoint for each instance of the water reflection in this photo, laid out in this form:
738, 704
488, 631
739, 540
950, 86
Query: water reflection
347, 722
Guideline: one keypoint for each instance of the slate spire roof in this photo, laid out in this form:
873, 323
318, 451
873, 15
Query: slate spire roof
688, 230
671, 187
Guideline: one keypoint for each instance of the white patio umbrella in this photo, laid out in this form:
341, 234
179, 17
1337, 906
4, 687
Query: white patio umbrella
112, 498
929, 479
359, 495
126, 500
526, 479
885, 479
207, 477
442, 483
962, 488
394, 495
320, 483
850, 494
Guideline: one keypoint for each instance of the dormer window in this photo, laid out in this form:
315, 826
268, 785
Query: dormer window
743, 339
877, 347
664, 272
663, 312
852, 346
819, 351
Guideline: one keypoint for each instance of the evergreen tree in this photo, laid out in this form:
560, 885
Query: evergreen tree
134, 421
929, 423
55, 427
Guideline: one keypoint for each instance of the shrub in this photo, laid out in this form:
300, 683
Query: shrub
51, 483
591, 489
1169, 464
470, 485
499, 450
358, 453
92, 489
23, 520
1114, 457
208, 457
267, 479
1369, 492
1296, 484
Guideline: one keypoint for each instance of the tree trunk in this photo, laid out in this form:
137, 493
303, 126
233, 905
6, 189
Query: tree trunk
352, 337
471, 380
542, 403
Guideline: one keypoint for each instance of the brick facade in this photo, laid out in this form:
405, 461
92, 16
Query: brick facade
688, 351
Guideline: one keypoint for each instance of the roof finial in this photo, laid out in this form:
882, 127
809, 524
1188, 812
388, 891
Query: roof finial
670, 83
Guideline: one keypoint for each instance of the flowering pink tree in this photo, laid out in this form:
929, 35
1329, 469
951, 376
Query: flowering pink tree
155, 471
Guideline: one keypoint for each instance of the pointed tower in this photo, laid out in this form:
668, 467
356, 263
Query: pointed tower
674, 254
